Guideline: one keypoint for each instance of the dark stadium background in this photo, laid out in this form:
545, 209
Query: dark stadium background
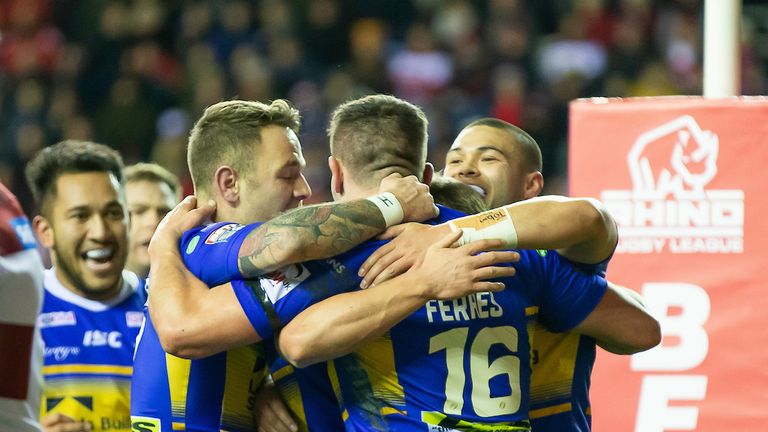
134, 74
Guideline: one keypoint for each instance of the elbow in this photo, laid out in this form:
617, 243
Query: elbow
295, 348
176, 342
645, 335
649, 335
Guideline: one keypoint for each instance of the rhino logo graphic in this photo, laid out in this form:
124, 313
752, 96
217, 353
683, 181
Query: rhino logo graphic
676, 158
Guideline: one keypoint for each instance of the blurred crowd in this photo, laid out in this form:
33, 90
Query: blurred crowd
135, 74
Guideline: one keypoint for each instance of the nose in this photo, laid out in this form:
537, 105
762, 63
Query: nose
301, 189
468, 168
98, 228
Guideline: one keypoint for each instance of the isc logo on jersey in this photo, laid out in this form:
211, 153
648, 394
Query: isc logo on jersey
670, 206
223, 233
281, 282
96, 338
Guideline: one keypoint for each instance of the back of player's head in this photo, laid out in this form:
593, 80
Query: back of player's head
529, 149
228, 133
152, 173
456, 195
68, 157
376, 133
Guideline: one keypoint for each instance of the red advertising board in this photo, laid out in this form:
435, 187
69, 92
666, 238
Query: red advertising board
687, 180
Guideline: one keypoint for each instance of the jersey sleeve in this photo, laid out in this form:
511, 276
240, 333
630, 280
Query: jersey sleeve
15, 230
570, 294
273, 301
211, 252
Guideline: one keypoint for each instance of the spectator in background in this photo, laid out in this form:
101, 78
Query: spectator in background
151, 191
91, 310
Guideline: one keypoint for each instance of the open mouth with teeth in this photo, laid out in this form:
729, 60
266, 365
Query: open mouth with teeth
478, 189
99, 259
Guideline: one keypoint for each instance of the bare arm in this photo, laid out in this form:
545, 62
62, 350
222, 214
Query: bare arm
191, 320
579, 228
326, 230
620, 323
340, 324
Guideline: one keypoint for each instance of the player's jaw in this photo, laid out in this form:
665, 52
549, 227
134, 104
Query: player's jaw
93, 268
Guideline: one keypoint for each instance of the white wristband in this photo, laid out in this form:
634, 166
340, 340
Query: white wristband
493, 224
389, 206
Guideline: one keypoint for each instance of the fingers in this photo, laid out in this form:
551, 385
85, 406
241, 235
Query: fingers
57, 422
493, 258
487, 286
395, 269
493, 272
284, 421
374, 258
392, 232
380, 267
449, 239
483, 245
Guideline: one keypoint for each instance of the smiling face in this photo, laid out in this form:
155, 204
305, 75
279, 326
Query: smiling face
86, 232
489, 160
275, 182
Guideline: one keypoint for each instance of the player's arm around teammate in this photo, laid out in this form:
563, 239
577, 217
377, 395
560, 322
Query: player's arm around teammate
580, 229
220, 322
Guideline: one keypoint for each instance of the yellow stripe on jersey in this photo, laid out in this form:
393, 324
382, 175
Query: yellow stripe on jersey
334, 378
548, 411
552, 376
588, 411
178, 426
531, 310
88, 369
443, 421
282, 372
378, 360
289, 389
242, 380
390, 411
178, 383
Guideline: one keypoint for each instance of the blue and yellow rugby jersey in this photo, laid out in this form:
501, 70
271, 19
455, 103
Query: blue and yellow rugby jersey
217, 392
562, 369
89, 352
452, 365
210, 394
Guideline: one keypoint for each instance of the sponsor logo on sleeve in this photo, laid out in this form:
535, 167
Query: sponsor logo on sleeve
56, 319
670, 206
223, 233
280, 282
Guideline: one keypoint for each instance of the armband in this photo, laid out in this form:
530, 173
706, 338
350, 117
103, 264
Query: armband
493, 224
389, 206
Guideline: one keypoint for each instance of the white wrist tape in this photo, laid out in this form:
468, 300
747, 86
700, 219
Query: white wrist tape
493, 224
389, 206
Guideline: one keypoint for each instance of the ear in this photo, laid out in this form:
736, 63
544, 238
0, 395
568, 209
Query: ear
226, 184
428, 174
43, 230
337, 175
534, 183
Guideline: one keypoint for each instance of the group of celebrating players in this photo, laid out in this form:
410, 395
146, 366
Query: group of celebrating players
380, 311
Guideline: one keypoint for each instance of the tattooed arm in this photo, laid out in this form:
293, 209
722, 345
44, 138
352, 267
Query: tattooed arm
325, 230
309, 233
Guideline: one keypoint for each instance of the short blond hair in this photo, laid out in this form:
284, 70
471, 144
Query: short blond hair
230, 130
